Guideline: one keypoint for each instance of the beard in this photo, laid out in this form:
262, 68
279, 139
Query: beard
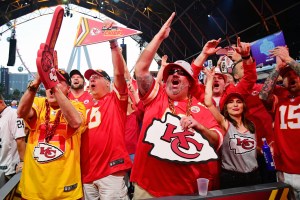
79, 86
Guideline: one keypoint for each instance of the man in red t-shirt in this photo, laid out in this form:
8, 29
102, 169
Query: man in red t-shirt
179, 136
104, 158
77, 92
287, 121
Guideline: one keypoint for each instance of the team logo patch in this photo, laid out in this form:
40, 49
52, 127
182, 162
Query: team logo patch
241, 144
86, 101
172, 143
45, 152
195, 109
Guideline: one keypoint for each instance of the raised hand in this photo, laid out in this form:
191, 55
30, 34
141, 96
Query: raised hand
243, 48
282, 53
164, 61
166, 28
210, 47
209, 73
108, 23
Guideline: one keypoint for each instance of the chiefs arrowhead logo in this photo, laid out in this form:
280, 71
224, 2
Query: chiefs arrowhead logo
172, 143
45, 152
242, 144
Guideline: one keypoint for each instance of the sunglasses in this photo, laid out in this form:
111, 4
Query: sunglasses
178, 71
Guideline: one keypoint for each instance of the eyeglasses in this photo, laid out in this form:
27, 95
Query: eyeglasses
178, 71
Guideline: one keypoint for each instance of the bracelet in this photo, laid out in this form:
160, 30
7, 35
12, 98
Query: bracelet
246, 57
32, 88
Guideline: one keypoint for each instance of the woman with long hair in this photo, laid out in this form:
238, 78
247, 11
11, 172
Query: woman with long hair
238, 152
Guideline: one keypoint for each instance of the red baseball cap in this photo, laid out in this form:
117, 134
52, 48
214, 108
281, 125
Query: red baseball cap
62, 75
231, 91
100, 72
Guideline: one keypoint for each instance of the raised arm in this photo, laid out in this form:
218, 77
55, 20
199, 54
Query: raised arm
209, 48
164, 63
283, 54
208, 99
71, 115
118, 61
270, 83
142, 72
247, 82
119, 66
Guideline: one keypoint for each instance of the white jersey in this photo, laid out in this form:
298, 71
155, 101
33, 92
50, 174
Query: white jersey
11, 128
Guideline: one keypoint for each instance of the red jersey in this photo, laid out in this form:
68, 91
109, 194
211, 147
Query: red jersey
103, 148
287, 134
132, 128
85, 98
161, 166
259, 115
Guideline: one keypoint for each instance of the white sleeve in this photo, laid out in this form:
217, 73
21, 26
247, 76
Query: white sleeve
17, 126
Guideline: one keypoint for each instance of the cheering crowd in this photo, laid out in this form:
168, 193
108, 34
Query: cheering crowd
156, 135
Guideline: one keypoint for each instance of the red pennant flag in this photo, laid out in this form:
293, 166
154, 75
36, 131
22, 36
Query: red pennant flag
92, 31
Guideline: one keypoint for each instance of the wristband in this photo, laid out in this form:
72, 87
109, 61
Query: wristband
246, 57
31, 87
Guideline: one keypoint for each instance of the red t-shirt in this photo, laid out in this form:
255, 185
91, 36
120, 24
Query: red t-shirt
287, 134
103, 150
171, 175
85, 98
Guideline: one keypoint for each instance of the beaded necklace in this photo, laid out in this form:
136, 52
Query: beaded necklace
51, 130
188, 106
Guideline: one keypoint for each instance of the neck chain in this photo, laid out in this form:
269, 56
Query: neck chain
188, 106
51, 130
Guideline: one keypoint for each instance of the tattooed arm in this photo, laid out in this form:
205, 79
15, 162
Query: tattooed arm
269, 85
283, 54
143, 76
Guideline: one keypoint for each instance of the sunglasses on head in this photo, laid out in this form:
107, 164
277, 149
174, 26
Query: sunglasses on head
178, 71
230, 70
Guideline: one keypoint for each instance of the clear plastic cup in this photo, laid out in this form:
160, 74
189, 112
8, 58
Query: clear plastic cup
202, 186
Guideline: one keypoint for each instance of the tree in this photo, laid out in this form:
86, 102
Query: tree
16, 94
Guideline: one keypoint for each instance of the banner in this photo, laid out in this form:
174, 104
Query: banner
91, 31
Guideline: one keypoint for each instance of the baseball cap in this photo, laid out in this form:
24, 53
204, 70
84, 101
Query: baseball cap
100, 72
62, 75
179, 63
230, 92
75, 71
285, 70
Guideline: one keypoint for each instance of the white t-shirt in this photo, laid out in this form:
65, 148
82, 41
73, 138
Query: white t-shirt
11, 128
